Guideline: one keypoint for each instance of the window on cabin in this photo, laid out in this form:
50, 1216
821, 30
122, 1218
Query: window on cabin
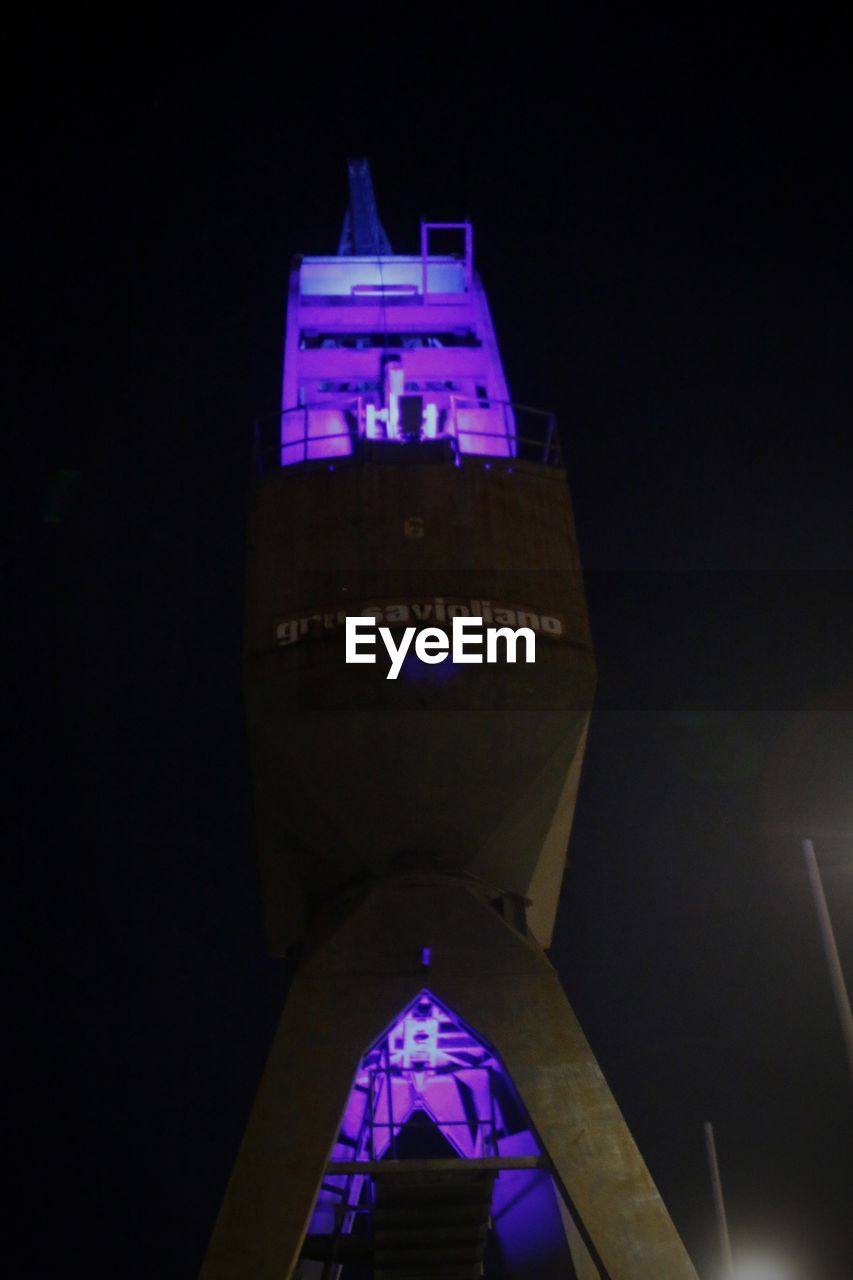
313, 340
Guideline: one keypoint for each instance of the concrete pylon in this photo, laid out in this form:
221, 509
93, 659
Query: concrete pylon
355, 980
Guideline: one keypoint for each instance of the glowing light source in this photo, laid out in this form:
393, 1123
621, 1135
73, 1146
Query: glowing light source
394, 348
759, 1268
429, 1080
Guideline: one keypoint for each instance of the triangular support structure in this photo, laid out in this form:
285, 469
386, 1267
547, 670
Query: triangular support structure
489, 1015
435, 1160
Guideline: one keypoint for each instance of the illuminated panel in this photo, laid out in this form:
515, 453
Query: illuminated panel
484, 429
318, 431
359, 278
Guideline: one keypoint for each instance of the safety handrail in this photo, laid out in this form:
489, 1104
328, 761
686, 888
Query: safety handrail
537, 441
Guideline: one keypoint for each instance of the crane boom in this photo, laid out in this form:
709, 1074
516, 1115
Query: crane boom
362, 232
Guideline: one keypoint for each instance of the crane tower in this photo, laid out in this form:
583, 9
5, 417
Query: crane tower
430, 1107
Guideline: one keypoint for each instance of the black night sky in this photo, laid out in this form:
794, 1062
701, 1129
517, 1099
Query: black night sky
662, 220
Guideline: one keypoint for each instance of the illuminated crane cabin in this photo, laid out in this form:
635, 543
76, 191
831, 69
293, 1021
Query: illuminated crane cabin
398, 349
430, 1106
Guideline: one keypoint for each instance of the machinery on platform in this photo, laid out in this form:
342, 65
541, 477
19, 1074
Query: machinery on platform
430, 1107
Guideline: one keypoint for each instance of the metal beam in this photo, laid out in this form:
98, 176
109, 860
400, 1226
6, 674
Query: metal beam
362, 232
452, 1165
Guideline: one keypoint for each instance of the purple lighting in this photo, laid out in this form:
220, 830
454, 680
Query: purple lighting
428, 1063
393, 348
429, 1085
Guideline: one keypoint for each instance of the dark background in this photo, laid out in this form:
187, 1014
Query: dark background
662, 221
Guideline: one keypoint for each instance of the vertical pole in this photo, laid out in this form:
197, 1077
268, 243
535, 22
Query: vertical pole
719, 1203
836, 975
390, 1101
424, 256
547, 458
371, 1133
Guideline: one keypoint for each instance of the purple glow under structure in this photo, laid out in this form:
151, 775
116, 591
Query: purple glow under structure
430, 1087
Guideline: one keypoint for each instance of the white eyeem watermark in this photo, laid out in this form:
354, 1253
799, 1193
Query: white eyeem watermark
433, 645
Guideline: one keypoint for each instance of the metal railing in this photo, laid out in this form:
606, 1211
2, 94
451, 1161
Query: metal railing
473, 428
